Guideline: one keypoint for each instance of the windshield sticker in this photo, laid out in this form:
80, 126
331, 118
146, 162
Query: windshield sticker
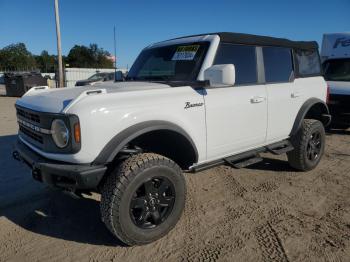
185, 52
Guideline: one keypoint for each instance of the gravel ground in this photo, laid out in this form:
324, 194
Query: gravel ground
267, 212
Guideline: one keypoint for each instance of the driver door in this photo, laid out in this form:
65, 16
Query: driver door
236, 116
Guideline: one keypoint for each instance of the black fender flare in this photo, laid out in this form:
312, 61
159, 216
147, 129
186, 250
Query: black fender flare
118, 142
325, 117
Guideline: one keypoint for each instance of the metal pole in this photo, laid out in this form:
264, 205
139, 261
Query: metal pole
59, 51
115, 56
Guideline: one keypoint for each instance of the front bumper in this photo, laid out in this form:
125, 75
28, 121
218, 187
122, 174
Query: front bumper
59, 174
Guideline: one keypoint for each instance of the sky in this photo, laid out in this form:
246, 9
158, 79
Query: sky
142, 22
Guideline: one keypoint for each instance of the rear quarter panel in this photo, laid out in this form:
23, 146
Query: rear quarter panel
309, 87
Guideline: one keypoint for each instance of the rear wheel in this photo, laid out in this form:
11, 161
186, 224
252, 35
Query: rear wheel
309, 145
143, 199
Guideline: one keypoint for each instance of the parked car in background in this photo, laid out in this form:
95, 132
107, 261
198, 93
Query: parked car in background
336, 66
96, 78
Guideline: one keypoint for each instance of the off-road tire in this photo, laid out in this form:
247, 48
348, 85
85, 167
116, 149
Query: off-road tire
297, 158
120, 186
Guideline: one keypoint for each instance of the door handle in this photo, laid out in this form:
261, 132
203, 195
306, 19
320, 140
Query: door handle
257, 99
295, 94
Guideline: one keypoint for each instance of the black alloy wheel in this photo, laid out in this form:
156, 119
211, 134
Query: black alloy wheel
314, 146
152, 202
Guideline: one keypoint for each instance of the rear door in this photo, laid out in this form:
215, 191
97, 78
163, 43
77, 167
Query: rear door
236, 116
282, 94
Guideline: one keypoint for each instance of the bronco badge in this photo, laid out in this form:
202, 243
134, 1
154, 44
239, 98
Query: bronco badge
189, 105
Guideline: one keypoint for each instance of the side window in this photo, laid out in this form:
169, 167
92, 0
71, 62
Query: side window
308, 62
244, 59
278, 64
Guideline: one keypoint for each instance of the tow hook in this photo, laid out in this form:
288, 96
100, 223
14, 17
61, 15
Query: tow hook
16, 156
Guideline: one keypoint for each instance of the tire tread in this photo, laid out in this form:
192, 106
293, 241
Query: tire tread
117, 182
296, 157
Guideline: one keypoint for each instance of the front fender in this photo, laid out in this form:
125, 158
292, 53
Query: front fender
118, 142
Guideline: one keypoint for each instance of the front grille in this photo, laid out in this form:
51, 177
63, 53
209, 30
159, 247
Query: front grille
28, 115
35, 128
33, 135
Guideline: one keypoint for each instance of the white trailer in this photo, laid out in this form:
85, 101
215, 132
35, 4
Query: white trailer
335, 45
335, 56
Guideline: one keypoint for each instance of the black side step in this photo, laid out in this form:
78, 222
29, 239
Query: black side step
247, 158
280, 147
244, 162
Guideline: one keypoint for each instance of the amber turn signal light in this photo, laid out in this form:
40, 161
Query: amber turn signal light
77, 132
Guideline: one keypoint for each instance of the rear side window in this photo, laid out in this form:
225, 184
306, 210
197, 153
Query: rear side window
278, 64
308, 62
244, 59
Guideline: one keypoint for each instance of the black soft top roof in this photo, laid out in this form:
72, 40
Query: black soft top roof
248, 39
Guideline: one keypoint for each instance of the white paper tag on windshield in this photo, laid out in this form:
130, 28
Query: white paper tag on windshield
185, 52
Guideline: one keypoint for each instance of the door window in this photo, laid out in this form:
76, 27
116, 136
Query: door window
243, 58
278, 64
308, 62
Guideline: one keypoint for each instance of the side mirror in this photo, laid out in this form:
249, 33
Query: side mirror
220, 75
119, 76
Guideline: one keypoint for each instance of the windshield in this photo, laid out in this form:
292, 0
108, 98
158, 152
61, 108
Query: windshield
337, 70
180, 62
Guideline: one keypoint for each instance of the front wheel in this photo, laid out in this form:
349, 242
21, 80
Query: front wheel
143, 199
309, 145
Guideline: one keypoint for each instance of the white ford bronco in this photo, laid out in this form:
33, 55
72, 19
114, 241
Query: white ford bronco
187, 104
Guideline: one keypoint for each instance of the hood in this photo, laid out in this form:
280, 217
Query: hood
339, 87
55, 100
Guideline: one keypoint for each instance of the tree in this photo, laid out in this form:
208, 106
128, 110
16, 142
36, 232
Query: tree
46, 62
16, 57
89, 57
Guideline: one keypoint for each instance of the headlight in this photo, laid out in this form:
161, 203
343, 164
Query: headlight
60, 133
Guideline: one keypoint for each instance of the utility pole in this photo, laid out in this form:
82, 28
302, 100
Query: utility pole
115, 56
59, 51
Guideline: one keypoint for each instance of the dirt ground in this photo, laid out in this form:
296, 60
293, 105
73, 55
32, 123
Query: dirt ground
267, 212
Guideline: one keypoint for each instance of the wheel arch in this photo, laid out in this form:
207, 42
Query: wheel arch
313, 108
145, 133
